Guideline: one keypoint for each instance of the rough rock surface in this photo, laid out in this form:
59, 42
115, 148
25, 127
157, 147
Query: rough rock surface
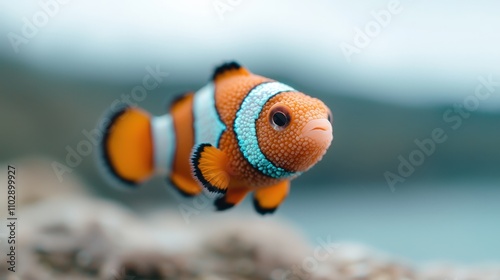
66, 233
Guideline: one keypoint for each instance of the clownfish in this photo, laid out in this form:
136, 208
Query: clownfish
239, 133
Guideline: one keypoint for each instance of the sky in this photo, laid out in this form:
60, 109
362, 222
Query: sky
426, 52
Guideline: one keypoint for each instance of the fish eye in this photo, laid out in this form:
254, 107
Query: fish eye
330, 116
279, 118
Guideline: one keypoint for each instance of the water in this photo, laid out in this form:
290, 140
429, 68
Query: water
459, 222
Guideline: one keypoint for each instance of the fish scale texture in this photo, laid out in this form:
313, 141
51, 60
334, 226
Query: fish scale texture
286, 148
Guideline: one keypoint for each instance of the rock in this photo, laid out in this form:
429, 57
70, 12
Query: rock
36, 181
65, 233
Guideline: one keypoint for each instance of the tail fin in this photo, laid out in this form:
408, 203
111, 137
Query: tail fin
127, 145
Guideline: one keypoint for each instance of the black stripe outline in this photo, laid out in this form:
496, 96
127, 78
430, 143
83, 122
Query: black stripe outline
176, 187
175, 128
113, 116
221, 204
258, 142
262, 210
227, 66
218, 117
195, 161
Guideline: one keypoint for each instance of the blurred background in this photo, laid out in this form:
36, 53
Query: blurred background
391, 71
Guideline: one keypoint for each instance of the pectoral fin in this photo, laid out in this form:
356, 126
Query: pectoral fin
232, 197
267, 200
210, 168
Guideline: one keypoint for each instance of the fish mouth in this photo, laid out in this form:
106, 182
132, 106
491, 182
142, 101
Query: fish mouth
319, 130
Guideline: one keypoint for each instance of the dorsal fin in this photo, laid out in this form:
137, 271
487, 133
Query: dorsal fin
229, 68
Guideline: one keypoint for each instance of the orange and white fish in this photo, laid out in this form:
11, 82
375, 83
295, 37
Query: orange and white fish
240, 133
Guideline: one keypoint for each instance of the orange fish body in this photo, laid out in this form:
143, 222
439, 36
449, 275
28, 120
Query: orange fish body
240, 133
